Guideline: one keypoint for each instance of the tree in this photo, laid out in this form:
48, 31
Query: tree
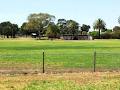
52, 31
116, 32
28, 28
85, 28
9, 29
94, 34
37, 22
62, 26
72, 26
15, 30
100, 25
23, 29
116, 29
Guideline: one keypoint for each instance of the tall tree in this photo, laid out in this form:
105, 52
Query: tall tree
39, 21
52, 31
62, 26
23, 29
99, 25
85, 28
73, 27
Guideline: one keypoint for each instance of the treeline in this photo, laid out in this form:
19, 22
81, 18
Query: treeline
43, 25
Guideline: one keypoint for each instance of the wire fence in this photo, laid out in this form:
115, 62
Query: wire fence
44, 62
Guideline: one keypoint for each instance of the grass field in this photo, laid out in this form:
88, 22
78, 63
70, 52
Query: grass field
66, 81
59, 54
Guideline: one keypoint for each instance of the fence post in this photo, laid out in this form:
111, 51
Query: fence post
43, 62
94, 62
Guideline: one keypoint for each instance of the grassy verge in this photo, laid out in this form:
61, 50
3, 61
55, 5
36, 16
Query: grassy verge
66, 81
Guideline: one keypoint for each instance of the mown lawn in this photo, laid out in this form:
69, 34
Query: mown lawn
27, 54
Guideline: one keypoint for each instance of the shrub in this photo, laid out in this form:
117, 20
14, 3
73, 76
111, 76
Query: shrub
94, 34
106, 35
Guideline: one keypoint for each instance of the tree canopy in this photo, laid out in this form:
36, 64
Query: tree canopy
52, 31
8, 29
99, 25
37, 22
85, 28
72, 27
62, 26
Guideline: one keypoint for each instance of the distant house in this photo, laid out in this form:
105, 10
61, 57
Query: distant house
76, 37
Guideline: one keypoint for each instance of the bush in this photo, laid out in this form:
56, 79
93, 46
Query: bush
106, 35
109, 34
115, 35
94, 34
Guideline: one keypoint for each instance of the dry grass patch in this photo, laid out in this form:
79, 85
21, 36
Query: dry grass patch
105, 80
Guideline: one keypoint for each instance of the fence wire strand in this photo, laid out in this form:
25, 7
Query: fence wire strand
66, 62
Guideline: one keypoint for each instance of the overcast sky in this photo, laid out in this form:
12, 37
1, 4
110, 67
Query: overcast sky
82, 11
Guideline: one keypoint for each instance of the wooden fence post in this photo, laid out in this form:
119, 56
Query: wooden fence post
94, 62
43, 62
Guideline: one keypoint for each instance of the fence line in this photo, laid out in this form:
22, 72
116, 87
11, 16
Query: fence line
44, 62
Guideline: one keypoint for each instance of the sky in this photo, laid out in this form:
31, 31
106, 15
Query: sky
82, 11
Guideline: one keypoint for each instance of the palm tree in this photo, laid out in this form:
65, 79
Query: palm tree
99, 24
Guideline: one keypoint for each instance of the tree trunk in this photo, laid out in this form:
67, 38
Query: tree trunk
26, 35
7, 36
81, 32
3, 36
39, 35
99, 34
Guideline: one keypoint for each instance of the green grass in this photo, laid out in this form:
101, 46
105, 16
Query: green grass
27, 54
103, 84
52, 85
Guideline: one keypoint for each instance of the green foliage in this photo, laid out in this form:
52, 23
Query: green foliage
106, 35
36, 23
94, 34
68, 27
85, 28
8, 29
108, 30
100, 25
115, 35
116, 29
72, 27
62, 26
52, 31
